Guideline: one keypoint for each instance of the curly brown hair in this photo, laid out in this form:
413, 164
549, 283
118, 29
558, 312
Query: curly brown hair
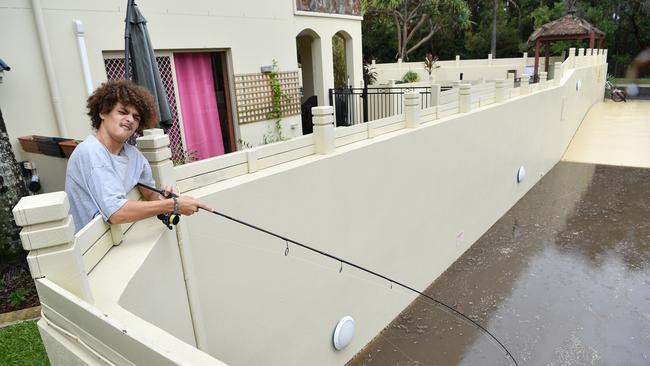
129, 94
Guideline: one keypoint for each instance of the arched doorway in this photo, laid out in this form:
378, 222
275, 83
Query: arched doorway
308, 50
344, 98
343, 59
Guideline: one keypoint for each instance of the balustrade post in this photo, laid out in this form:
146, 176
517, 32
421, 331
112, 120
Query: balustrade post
572, 55
543, 78
499, 90
48, 234
557, 73
434, 97
412, 109
154, 145
457, 61
525, 87
323, 129
465, 98
580, 61
510, 79
525, 59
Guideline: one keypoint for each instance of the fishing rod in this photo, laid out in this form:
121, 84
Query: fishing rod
343, 261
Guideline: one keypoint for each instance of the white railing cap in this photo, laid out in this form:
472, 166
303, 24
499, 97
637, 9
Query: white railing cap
32, 210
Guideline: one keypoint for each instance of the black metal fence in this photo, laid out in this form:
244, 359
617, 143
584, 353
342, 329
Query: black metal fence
357, 105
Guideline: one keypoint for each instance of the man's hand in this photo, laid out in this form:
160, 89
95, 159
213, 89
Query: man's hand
188, 205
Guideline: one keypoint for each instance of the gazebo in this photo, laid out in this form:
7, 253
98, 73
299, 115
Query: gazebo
569, 27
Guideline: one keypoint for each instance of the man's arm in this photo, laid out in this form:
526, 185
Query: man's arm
138, 210
148, 194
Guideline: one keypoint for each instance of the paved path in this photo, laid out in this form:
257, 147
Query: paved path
613, 134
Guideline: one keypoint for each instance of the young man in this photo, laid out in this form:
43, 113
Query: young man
104, 168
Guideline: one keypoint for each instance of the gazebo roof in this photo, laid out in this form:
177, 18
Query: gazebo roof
569, 26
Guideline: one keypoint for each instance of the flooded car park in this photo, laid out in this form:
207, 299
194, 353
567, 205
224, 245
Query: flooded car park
563, 278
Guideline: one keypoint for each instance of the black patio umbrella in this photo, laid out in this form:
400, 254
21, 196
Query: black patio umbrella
139, 56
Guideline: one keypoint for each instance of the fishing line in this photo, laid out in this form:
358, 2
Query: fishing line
343, 261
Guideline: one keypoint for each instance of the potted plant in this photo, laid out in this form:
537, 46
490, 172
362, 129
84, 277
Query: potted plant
68, 146
29, 143
430, 64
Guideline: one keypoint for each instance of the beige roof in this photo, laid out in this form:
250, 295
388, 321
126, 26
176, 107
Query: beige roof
568, 25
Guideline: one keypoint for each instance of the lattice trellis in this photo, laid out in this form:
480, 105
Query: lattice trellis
115, 70
255, 98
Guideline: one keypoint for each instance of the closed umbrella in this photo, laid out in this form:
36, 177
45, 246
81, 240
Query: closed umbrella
138, 55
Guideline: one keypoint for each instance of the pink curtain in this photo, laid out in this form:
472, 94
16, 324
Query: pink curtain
198, 104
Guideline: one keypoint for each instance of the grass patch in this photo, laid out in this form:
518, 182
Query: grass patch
21, 345
641, 81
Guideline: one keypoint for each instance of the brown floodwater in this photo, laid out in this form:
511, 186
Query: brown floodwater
563, 278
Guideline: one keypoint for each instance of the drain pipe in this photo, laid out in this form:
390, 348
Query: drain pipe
49, 67
78, 28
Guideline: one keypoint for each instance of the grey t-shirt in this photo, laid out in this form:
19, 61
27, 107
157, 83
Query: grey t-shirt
97, 181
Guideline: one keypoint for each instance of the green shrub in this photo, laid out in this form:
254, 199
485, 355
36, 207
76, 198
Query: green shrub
410, 77
17, 297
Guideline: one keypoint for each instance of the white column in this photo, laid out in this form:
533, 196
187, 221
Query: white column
465, 98
510, 79
154, 145
48, 235
557, 73
412, 109
434, 97
525, 60
499, 90
580, 61
323, 129
543, 77
572, 55
525, 87
457, 61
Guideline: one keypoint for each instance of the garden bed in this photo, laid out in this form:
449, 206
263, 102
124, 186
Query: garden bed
17, 290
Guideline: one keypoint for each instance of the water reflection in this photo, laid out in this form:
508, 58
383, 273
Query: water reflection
562, 278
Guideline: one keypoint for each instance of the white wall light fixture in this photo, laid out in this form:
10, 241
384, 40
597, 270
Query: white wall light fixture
521, 174
578, 84
343, 333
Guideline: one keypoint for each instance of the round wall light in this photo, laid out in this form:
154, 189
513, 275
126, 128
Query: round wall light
343, 333
521, 174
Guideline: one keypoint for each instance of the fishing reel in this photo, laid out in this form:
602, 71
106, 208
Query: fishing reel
169, 219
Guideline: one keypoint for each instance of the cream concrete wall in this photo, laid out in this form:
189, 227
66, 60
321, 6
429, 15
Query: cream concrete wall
450, 70
254, 32
158, 284
254, 132
405, 204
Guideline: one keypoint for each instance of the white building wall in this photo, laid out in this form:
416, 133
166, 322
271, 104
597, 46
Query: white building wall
255, 33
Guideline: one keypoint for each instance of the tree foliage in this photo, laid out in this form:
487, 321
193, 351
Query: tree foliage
416, 21
626, 24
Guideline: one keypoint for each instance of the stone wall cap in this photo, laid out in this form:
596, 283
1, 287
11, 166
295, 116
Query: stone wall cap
153, 131
152, 141
41, 208
322, 110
